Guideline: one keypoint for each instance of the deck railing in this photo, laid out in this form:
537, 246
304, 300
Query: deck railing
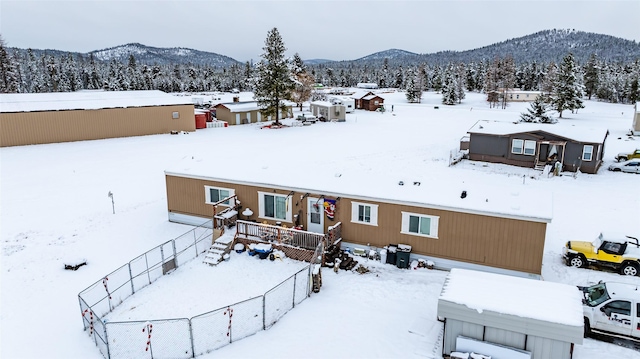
283, 235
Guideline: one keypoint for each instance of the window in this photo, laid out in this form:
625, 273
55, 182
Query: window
526, 147
619, 307
364, 213
420, 224
274, 206
516, 146
529, 147
175, 115
587, 152
215, 194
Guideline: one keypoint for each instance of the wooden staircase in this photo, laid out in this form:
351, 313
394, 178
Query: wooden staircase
219, 248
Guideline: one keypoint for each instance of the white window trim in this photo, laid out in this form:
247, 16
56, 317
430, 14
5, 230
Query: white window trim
529, 144
261, 213
207, 194
513, 146
584, 151
434, 225
374, 213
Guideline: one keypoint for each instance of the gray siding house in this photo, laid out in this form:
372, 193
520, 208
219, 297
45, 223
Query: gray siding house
534, 145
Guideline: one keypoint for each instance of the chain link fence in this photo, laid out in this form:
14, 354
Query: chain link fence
180, 337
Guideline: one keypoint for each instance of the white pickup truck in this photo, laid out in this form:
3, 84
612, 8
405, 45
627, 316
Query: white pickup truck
612, 308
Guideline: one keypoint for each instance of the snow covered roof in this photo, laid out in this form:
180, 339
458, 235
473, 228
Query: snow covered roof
240, 106
430, 192
245, 106
87, 100
370, 97
324, 103
538, 303
566, 130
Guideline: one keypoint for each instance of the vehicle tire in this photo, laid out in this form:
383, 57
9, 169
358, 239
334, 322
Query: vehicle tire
629, 269
587, 327
616, 170
577, 261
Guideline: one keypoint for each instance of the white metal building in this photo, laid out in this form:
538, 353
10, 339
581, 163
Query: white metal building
509, 317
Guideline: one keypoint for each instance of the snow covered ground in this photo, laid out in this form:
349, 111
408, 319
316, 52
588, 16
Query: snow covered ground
54, 208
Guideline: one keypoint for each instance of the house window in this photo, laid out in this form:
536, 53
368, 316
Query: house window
527, 147
364, 213
215, 194
175, 115
420, 224
587, 152
516, 146
274, 206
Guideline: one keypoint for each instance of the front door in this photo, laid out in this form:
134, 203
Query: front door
315, 215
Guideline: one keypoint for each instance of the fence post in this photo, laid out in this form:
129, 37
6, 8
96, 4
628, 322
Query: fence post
264, 312
195, 242
106, 341
133, 289
295, 276
146, 262
193, 348
175, 256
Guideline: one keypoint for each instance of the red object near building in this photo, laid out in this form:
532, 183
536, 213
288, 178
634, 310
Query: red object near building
201, 120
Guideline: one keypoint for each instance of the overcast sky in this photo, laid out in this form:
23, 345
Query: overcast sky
328, 29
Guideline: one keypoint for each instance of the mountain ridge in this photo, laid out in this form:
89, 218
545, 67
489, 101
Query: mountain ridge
543, 46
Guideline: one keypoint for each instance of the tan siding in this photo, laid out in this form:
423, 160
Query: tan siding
26, 128
493, 241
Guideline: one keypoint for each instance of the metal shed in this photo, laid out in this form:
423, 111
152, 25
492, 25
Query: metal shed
38, 118
497, 313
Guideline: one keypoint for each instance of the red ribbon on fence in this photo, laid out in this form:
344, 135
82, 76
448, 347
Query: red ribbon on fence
90, 319
230, 311
104, 282
148, 328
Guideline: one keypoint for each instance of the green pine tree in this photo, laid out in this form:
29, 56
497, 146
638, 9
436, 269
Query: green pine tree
273, 78
537, 112
567, 90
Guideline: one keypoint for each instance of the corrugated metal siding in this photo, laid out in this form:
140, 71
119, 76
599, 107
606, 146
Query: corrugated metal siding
505, 337
455, 328
493, 241
25, 128
548, 348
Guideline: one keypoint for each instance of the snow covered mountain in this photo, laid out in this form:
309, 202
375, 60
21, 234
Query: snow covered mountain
172, 55
542, 47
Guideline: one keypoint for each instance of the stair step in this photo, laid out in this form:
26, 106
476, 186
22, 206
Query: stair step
215, 251
224, 240
219, 246
212, 258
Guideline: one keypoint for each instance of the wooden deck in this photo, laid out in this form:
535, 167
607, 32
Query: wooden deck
295, 243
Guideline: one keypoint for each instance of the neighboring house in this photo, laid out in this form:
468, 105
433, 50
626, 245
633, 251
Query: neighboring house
534, 145
481, 228
517, 95
368, 101
240, 113
38, 118
507, 317
328, 110
635, 126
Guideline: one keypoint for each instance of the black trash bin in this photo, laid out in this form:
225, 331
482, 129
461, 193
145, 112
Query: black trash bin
402, 255
391, 253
